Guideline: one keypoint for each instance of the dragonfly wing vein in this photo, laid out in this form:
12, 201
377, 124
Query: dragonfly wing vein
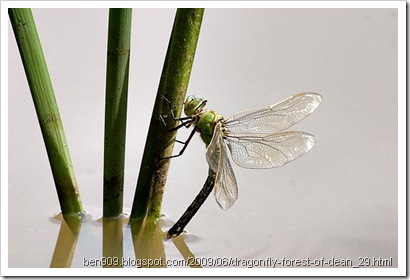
276, 117
269, 150
226, 188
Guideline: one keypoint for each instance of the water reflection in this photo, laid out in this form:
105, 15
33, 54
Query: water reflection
147, 238
189, 257
112, 240
66, 241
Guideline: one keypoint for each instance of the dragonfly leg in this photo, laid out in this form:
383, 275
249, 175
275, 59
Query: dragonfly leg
185, 121
184, 147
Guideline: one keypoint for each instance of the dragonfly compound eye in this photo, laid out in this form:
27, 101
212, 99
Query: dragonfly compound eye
192, 104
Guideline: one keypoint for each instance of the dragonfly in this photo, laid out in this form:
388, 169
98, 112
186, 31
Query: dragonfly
256, 139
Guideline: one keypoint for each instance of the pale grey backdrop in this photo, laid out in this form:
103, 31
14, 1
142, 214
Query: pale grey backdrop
339, 200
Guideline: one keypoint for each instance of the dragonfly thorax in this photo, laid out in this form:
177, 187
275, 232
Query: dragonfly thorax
206, 124
194, 106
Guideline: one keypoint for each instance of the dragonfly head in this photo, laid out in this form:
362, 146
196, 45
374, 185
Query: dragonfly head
193, 105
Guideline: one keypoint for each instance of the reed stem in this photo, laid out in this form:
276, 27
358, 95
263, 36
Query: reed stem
45, 104
118, 60
173, 86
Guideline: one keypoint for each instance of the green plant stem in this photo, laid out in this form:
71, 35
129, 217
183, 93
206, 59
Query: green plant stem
173, 86
118, 59
46, 108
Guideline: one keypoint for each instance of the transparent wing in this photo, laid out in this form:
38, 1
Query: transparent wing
274, 118
267, 151
226, 188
